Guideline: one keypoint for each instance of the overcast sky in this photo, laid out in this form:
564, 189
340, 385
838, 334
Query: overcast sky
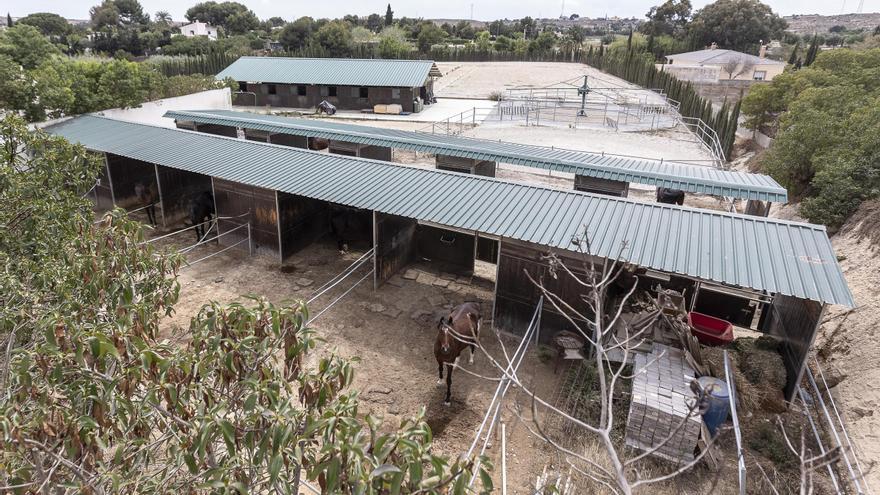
459, 9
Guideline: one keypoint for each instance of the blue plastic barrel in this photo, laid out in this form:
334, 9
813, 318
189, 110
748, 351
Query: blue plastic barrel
719, 402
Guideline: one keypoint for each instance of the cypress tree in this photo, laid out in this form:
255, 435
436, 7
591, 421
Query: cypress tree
8, 20
629, 40
812, 51
792, 59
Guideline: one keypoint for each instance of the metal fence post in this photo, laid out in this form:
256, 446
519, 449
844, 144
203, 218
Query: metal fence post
250, 239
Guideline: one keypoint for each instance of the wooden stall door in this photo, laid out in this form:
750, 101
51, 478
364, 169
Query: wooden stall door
242, 204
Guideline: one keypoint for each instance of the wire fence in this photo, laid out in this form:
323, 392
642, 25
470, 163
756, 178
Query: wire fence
493, 412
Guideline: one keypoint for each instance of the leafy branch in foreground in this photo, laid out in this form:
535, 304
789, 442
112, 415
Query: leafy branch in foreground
95, 401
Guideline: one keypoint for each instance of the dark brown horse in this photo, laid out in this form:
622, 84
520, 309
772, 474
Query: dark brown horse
459, 330
147, 196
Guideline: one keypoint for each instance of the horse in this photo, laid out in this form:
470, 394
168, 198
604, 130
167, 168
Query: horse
670, 196
201, 209
459, 330
348, 225
325, 107
146, 196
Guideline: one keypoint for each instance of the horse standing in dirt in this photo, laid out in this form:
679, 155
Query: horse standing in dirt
201, 209
459, 330
146, 196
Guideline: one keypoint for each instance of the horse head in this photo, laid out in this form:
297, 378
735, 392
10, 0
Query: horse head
444, 337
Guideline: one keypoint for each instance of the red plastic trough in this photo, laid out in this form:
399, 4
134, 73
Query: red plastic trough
710, 330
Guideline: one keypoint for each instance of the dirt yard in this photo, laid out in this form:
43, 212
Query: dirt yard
390, 331
479, 79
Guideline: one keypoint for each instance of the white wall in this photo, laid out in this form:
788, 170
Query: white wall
694, 73
151, 112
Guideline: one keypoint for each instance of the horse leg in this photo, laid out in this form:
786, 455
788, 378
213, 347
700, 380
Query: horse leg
440, 370
448, 400
151, 214
471, 359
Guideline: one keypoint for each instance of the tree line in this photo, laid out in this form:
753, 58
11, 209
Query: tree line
37, 82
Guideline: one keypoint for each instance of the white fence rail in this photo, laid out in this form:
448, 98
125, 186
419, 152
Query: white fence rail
493, 412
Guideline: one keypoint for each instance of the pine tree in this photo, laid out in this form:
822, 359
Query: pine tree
8, 20
792, 59
650, 47
389, 16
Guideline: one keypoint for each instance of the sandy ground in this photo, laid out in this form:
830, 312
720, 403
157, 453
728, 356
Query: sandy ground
390, 331
849, 346
479, 79
654, 145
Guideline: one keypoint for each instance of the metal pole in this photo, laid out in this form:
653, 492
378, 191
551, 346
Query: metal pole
732, 399
827, 415
822, 450
159, 189
250, 239
503, 458
110, 181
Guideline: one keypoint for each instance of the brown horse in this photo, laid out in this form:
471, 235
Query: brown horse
457, 331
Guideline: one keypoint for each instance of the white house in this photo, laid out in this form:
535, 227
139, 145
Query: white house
199, 29
714, 65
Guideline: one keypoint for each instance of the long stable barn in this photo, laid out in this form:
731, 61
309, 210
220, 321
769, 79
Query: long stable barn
594, 172
286, 196
351, 84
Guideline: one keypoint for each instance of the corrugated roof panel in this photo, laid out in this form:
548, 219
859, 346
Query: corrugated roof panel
331, 71
691, 178
765, 254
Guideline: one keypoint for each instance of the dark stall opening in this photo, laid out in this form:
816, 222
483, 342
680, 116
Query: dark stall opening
102, 193
448, 250
179, 189
351, 228
302, 221
241, 204
126, 174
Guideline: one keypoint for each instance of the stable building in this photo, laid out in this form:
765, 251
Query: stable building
348, 84
285, 196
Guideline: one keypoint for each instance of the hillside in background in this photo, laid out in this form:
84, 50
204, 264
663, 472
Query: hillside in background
814, 23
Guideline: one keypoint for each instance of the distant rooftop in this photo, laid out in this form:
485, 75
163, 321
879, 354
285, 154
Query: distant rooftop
689, 178
332, 71
718, 56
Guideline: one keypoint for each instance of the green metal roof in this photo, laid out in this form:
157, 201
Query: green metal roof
778, 256
332, 71
689, 178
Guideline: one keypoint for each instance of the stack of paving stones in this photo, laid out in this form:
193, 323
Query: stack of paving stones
661, 399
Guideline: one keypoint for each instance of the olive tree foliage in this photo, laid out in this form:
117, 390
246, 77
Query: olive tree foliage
827, 125
94, 400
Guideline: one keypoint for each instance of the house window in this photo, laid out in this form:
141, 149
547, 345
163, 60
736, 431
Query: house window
395, 93
300, 90
242, 86
272, 89
331, 90
760, 75
363, 92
